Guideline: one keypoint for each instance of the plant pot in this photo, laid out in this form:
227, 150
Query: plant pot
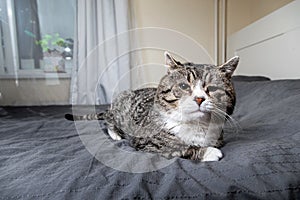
54, 64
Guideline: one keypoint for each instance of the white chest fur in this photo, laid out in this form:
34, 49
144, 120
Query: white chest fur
191, 134
194, 133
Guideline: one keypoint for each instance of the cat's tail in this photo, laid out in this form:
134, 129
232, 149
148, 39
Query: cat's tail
93, 116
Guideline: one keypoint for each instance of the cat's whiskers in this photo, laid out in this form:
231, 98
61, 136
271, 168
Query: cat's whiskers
232, 122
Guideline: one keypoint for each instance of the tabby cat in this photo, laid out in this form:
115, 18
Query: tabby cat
182, 117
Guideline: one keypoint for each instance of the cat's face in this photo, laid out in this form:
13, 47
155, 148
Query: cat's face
194, 91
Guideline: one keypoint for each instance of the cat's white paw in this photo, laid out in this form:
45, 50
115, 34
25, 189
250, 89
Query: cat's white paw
212, 154
114, 135
117, 137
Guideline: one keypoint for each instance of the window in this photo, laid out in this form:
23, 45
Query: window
36, 36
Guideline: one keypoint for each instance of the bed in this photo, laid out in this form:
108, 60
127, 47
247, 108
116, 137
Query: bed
42, 155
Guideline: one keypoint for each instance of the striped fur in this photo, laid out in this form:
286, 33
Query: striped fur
182, 117
92, 116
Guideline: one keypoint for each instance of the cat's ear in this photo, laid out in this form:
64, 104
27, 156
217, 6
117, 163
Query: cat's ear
228, 67
170, 61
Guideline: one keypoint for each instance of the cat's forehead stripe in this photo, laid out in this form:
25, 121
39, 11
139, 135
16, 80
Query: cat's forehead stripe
201, 72
206, 77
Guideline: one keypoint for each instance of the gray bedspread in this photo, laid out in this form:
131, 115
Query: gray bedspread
43, 157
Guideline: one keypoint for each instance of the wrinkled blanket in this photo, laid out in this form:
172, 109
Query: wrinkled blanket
43, 156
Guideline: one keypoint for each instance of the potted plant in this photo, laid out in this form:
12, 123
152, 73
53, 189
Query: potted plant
54, 50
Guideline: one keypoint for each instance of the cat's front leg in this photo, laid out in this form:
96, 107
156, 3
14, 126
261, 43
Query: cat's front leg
204, 154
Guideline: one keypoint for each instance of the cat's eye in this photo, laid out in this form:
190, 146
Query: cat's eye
212, 88
184, 86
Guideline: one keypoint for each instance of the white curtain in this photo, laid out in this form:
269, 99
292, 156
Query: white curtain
102, 51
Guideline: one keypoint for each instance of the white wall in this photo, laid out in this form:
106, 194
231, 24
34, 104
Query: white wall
241, 13
195, 18
191, 18
270, 46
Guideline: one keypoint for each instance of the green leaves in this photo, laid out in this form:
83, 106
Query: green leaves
49, 42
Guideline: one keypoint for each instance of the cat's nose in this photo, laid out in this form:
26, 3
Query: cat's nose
199, 100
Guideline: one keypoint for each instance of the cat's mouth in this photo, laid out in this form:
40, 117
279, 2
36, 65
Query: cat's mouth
200, 112
199, 115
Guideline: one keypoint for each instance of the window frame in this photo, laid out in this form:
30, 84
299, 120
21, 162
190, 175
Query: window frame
9, 52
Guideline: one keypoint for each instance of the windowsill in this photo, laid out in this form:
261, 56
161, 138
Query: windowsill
36, 74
